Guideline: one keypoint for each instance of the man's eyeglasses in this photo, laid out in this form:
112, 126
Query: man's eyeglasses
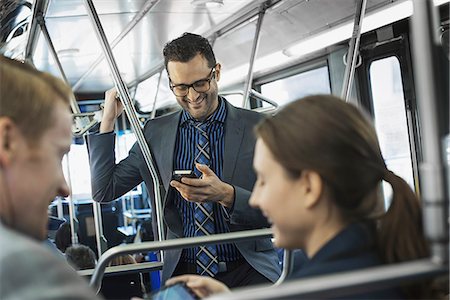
200, 86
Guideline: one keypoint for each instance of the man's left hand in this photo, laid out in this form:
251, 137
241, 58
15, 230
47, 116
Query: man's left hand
207, 188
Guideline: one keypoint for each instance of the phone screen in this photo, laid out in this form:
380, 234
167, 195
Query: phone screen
177, 291
178, 174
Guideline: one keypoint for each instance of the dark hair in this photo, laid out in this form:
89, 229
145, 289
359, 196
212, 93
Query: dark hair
186, 47
63, 238
324, 134
81, 257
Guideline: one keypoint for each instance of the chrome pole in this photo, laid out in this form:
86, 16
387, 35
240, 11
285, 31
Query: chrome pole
73, 218
101, 241
435, 213
131, 114
39, 8
353, 50
41, 21
137, 18
255, 46
96, 208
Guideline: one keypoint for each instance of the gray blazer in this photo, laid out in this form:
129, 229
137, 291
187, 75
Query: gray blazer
110, 181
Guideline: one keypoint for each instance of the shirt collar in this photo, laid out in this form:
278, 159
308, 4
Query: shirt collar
218, 115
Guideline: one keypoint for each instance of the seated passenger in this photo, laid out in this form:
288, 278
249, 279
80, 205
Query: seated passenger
35, 134
120, 260
63, 238
81, 257
319, 169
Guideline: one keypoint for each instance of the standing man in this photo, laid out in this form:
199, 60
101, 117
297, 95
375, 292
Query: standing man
35, 134
215, 141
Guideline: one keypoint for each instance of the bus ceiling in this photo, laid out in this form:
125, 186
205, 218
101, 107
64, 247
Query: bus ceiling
138, 29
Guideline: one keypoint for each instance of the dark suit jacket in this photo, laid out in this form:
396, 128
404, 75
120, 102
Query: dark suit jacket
110, 181
353, 248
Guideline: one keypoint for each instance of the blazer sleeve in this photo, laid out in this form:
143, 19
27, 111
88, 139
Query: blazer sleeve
108, 179
244, 177
243, 213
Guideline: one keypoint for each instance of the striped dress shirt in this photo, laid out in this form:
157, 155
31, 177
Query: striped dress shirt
184, 157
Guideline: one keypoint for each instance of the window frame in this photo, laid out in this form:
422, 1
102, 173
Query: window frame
399, 47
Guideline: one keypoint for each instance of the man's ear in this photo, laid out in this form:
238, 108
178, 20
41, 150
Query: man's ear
218, 67
8, 140
312, 188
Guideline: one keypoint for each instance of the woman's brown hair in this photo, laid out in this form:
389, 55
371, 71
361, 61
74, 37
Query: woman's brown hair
333, 138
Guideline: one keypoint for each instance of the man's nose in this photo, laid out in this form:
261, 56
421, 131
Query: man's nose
64, 189
192, 94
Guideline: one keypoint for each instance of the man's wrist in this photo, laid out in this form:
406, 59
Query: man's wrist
228, 200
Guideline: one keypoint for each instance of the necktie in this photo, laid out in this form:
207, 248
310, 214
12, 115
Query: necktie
206, 257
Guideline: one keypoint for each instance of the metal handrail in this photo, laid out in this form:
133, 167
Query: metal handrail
288, 266
432, 182
131, 114
353, 49
129, 268
255, 46
137, 18
246, 235
341, 284
255, 94
39, 19
39, 8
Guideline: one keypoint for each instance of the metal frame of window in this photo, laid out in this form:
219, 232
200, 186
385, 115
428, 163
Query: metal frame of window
398, 46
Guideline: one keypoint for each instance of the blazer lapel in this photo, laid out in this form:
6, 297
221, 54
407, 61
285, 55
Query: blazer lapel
233, 139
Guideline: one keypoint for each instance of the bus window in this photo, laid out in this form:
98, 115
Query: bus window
78, 160
390, 119
234, 99
291, 88
146, 92
80, 174
124, 141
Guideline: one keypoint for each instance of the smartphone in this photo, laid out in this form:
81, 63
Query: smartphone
178, 291
178, 174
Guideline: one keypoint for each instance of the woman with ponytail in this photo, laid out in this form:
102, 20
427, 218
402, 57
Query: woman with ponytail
319, 169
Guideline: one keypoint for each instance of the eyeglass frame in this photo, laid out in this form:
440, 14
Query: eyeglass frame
211, 76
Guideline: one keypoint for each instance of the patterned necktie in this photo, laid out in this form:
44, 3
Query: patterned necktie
206, 257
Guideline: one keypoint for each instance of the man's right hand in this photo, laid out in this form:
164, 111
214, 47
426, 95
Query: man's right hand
112, 110
202, 286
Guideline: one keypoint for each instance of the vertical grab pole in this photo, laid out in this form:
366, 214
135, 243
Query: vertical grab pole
248, 82
137, 18
353, 50
131, 114
74, 223
435, 213
41, 21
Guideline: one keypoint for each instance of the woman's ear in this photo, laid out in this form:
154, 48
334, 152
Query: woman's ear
8, 132
312, 186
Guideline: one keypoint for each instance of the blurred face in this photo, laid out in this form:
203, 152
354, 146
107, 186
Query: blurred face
200, 105
280, 199
34, 176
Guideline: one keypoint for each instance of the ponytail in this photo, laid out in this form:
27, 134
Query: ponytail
400, 231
